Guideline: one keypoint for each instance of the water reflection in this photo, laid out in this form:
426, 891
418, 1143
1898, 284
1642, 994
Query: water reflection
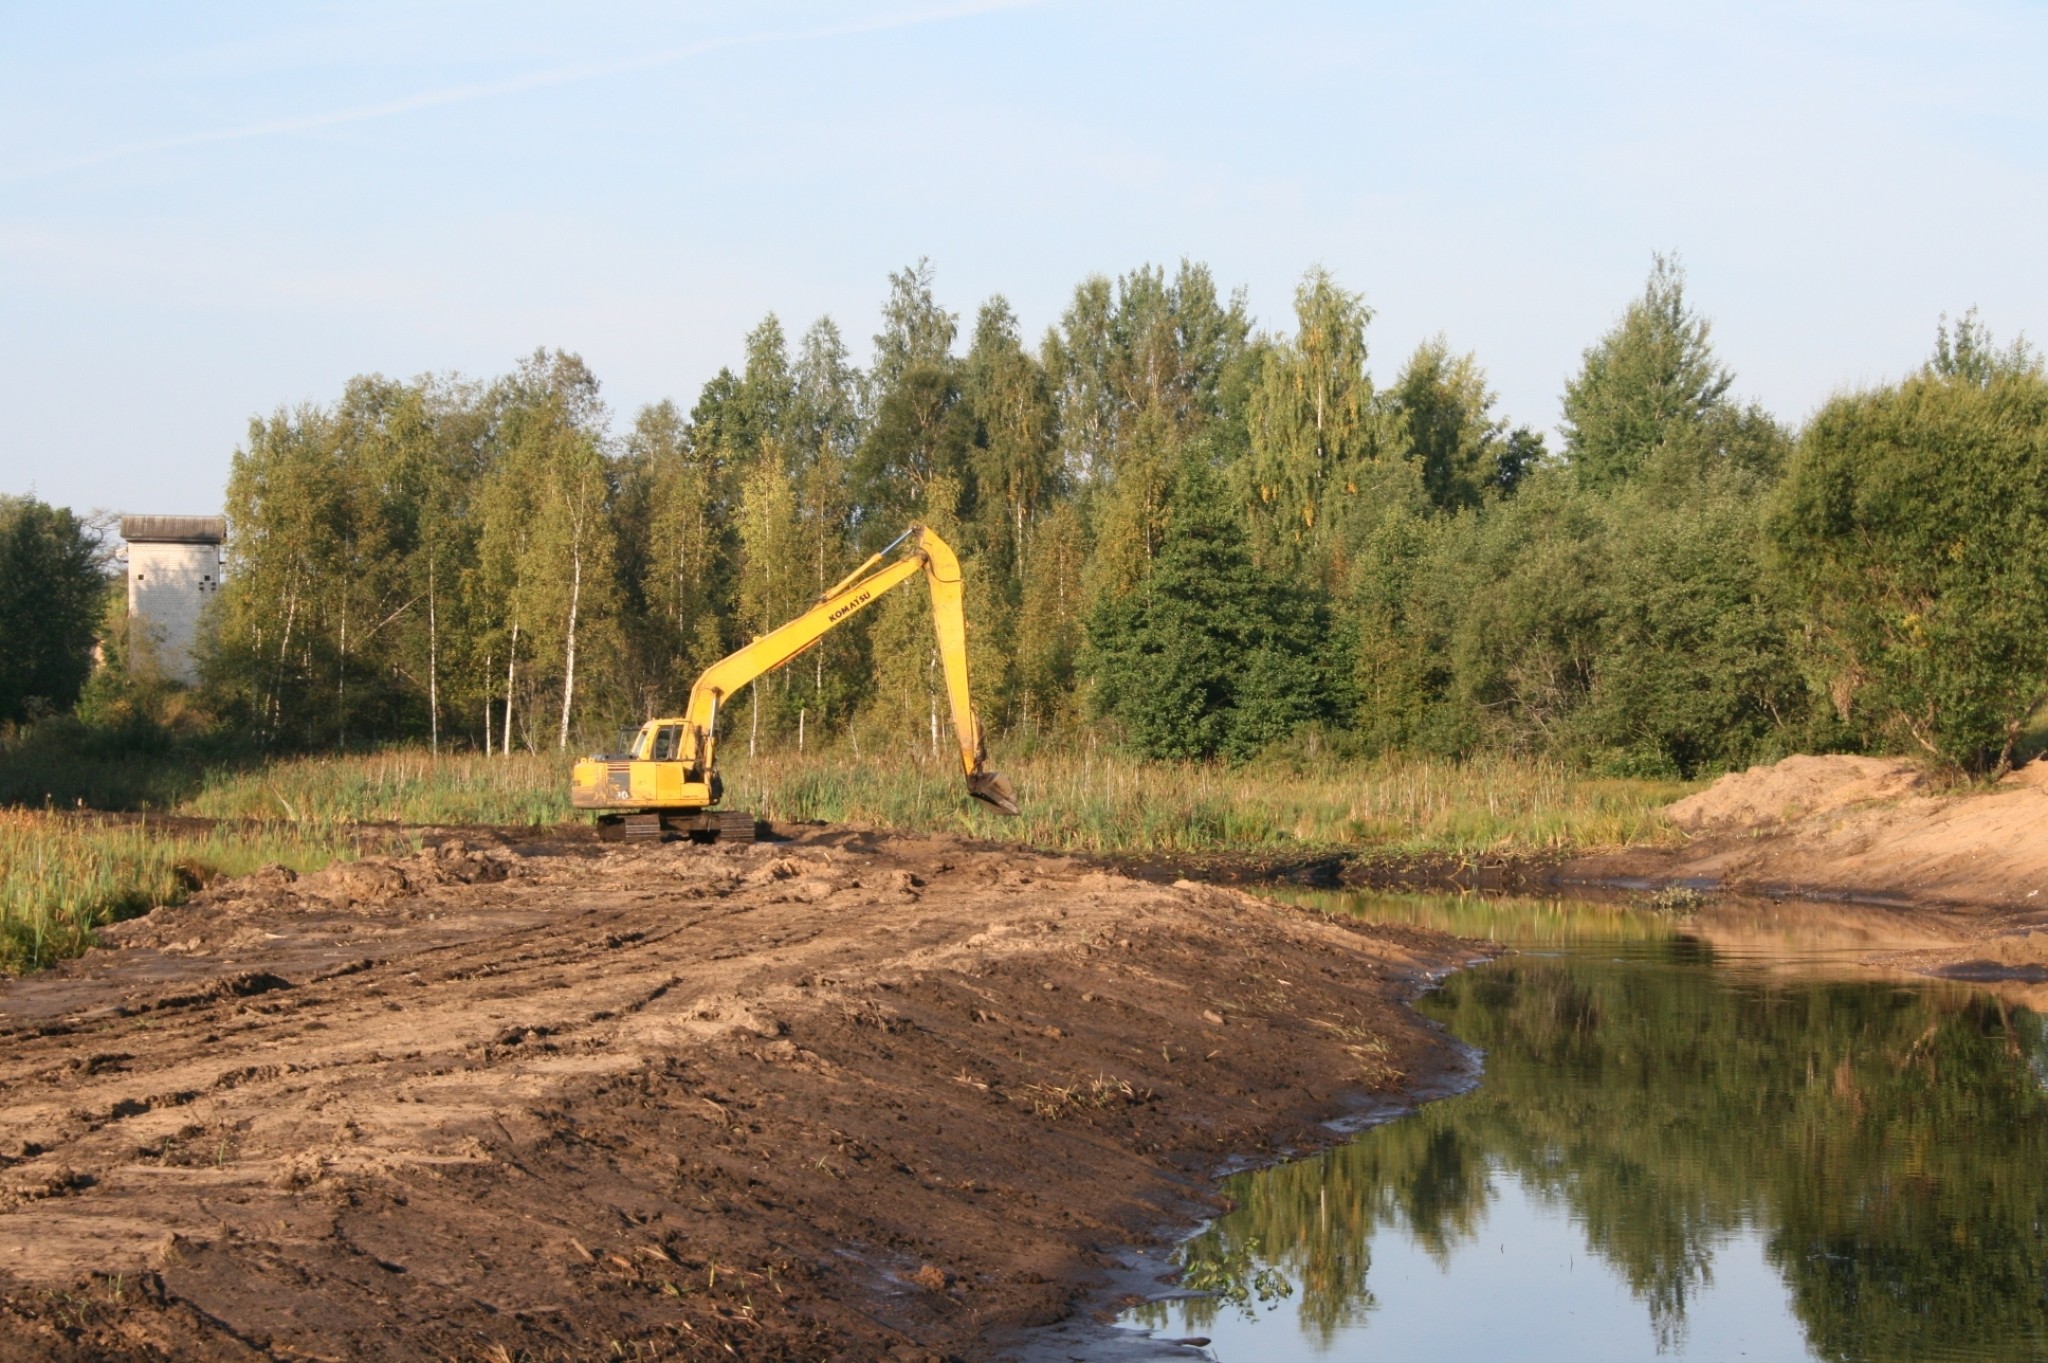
1862, 1164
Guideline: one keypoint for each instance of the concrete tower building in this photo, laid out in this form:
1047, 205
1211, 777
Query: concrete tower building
173, 569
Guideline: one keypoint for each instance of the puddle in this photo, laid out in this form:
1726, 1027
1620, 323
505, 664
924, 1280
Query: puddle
1697, 1138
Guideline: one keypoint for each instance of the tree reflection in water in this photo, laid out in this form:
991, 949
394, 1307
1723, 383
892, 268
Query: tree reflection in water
1886, 1144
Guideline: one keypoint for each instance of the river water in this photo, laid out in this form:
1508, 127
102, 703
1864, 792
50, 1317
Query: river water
1709, 1137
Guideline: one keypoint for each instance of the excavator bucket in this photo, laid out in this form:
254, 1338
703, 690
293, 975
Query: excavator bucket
993, 788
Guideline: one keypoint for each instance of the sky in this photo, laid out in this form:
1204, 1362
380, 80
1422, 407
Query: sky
212, 210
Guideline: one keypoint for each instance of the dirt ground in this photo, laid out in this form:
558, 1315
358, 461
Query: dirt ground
1856, 828
845, 1096
1952, 884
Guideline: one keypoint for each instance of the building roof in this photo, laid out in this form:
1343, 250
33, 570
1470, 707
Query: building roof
174, 529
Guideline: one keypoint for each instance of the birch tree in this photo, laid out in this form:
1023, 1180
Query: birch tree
1312, 420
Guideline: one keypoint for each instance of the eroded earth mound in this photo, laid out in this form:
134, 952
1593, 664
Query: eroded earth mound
1793, 789
843, 1096
1952, 883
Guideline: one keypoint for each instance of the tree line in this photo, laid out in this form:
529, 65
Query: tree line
1201, 538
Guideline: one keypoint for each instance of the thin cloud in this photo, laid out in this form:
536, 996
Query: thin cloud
540, 80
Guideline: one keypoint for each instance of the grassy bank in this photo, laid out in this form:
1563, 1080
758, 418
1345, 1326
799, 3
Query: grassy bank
1108, 803
62, 877
404, 785
1073, 801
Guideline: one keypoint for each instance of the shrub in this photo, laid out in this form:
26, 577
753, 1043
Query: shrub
1913, 524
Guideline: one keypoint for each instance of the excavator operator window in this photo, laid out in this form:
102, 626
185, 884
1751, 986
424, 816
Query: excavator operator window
665, 742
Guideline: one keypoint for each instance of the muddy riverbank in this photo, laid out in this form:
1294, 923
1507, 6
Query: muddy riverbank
844, 1096
1950, 883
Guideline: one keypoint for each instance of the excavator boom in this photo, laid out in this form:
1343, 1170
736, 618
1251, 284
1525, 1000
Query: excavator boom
669, 779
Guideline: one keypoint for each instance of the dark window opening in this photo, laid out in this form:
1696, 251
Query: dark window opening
665, 739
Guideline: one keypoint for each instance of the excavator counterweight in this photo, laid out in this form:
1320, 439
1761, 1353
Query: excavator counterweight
667, 781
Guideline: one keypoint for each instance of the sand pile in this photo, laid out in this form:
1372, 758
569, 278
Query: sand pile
1795, 788
1856, 827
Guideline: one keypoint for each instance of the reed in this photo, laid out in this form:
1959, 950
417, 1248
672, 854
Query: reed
1106, 802
65, 876
1074, 800
398, 785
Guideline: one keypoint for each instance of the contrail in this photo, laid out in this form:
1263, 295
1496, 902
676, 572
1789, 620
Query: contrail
463, 94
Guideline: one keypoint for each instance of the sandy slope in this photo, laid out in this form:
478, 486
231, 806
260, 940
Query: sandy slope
1859, 827
1963, 875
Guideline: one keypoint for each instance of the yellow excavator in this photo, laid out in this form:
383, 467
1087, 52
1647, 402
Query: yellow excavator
667, 781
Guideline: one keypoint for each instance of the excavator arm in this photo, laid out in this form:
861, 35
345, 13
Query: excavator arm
690, 744
855, 592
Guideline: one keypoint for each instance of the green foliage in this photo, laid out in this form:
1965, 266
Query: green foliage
1312, 420
1651, 389
1212, 655
127, 759
349, 529
1913, 524
51, 582
1971, 354
1166, 355
674, 528
1694, 671
1627, 628
1046, 641
1392, 567
1466, 453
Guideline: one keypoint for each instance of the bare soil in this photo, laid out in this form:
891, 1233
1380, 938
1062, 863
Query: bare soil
847, 1096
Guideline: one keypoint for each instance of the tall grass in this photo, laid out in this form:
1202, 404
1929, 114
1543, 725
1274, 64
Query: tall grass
1109, 803
62, 877
402, 785
1072, 800
1077, 798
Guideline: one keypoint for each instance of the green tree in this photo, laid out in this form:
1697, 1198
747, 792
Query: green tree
1913, 524
1970, 353
667, 549
1695, 670
320, 601
1048, 634
1144, 358
920, 433
51, 584
825, 432
1402, 669
915, 332
1212, 655
1628, 628
1652, 385
766, 401
1466, 452
774, 578
1313, 420
1014, 457
548, 546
